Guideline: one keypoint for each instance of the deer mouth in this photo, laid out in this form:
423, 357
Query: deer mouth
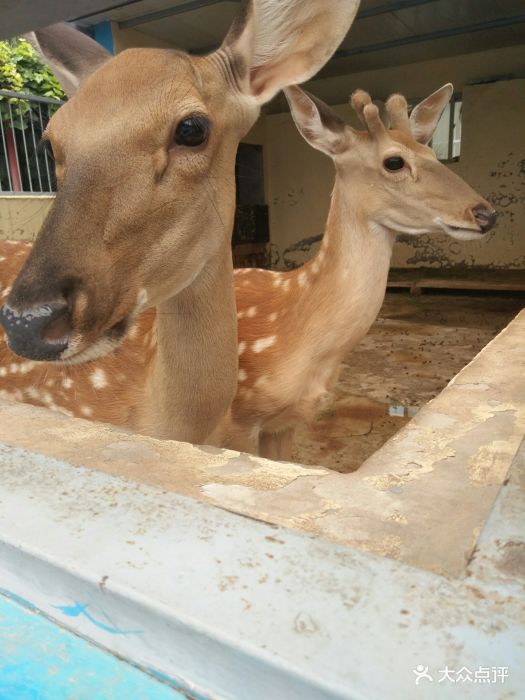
461, 233
106, 343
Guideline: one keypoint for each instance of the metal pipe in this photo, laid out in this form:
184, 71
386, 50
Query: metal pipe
23, 131
105, 9
430, 36
392, 7
33, 98
197, 4
168, 12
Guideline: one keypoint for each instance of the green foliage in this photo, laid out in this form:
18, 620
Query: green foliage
21, 70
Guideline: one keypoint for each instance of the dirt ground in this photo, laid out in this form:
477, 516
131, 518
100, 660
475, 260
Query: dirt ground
413, 350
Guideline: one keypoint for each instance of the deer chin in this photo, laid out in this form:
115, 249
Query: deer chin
104, 345
458, 232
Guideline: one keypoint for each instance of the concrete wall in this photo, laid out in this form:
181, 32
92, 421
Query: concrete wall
493, 152
22, 216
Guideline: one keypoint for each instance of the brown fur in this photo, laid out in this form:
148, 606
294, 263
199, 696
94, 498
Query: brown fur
139, 221
294, 328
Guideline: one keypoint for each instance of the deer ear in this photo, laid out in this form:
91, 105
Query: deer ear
425, 116
318, 124
283, 42
71, 55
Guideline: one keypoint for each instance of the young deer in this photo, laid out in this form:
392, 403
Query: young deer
295, 327
145, 152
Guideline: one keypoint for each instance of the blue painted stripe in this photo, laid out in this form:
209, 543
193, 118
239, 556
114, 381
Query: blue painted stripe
104, 35
41, 661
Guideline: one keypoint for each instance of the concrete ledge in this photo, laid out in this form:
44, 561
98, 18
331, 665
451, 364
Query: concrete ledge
228, 607
422, 499
96, 533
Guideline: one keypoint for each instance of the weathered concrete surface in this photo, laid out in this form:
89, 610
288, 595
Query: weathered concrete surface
422, 499
218, 603
415, 347
21, 216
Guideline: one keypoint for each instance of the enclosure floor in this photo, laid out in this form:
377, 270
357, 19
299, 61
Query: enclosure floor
413, 350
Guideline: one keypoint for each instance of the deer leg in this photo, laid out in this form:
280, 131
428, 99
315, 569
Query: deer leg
237, 436
277, 446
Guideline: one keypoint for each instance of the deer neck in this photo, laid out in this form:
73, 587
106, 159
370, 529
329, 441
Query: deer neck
350, 272
190, 387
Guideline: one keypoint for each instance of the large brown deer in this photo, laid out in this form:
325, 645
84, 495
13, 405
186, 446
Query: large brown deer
145, 151
295, 327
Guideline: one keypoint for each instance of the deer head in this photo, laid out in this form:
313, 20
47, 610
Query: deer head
406, 189
145, 152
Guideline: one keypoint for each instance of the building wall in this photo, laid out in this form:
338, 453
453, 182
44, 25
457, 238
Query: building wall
22, 216
132, 38
492, 160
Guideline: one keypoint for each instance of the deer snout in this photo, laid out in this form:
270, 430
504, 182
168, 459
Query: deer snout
485, 218
39, 332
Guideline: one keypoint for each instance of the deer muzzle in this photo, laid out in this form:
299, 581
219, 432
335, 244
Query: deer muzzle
37, 333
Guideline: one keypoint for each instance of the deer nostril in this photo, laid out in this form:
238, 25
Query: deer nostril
38, 333
485, 218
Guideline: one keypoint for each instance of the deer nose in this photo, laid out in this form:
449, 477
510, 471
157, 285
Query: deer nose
38, 333
485, 218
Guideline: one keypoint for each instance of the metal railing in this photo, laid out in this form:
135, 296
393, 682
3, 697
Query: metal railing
25, 164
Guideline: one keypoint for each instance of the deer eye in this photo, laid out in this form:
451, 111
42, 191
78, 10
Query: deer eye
192, 131
394, 163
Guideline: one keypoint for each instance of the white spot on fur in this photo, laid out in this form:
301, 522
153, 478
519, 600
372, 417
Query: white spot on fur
13, 367
86, 411
98, 378
273, 316
240, 314
263, 343
242, 375
277, 281
315, 267
302, 279
3, 371
242, 347
286, 285
251, 312
33, 393
25, 367
67, 382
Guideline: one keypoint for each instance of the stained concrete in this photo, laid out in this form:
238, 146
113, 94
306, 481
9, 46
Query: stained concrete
413, 350
422, 499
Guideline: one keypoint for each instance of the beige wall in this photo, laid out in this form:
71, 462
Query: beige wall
21, 217
299, 179
131, 38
